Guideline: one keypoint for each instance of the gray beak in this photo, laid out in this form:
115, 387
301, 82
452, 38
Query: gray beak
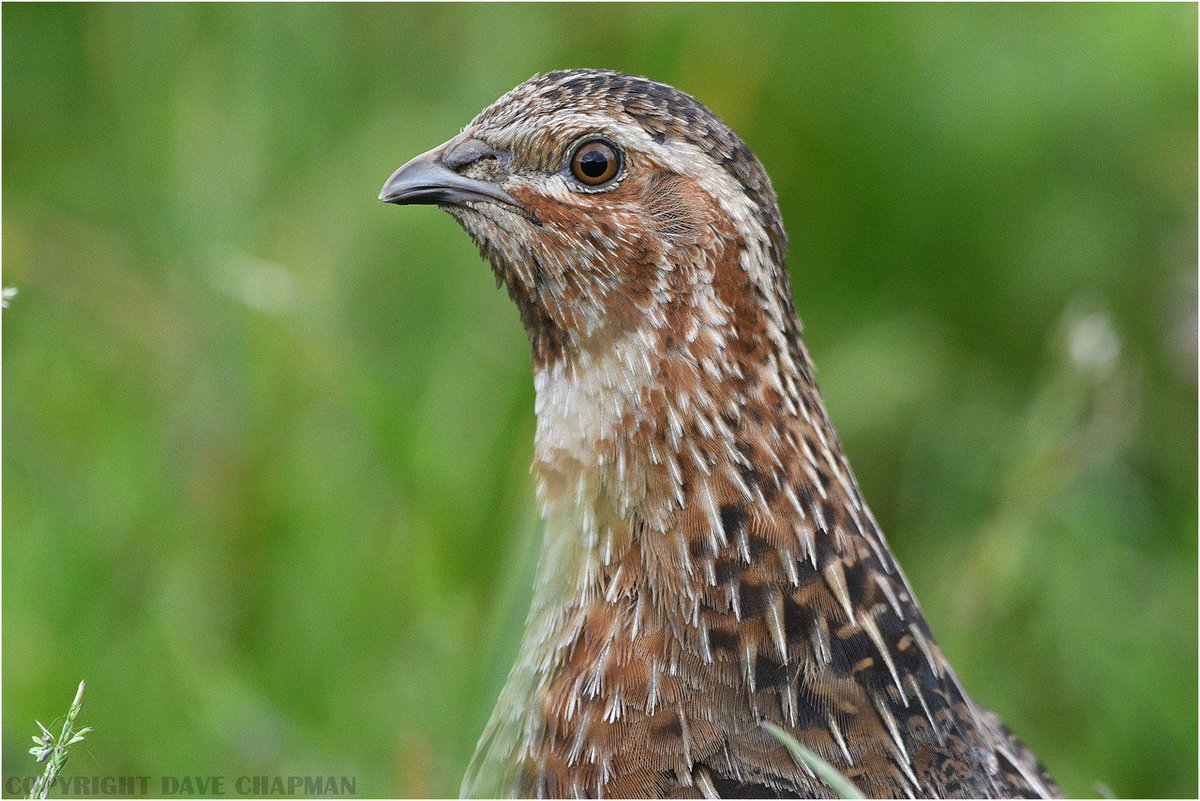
431, 178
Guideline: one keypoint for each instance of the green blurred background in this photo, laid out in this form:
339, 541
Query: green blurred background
266, 440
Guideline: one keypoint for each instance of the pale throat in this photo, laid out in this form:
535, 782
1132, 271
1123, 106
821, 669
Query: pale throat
619, 430
590, 410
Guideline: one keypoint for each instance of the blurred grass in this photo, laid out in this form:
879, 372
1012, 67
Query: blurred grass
266, 440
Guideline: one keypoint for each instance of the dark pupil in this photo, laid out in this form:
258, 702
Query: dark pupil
593, 163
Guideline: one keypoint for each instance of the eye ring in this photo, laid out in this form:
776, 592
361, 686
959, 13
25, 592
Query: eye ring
596, 162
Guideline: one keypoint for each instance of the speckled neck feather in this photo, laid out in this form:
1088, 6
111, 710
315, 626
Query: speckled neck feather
709, 563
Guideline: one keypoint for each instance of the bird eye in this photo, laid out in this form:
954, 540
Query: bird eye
595, 162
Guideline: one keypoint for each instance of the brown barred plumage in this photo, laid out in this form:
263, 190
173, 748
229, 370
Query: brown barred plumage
709, 562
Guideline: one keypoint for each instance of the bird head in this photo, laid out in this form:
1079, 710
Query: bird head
609, 205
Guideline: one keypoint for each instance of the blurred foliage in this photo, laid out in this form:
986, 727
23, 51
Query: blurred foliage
266, 440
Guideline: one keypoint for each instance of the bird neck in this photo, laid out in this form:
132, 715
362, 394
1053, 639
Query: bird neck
707, 413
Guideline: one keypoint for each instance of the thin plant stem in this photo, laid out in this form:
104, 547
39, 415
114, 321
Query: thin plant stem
825, 772
53, 750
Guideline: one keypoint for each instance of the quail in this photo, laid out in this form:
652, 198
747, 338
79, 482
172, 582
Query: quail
709, 565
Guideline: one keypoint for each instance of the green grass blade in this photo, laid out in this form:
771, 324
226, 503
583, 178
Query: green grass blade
826, 772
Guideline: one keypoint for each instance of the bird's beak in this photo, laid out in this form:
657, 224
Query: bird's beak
431, 178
